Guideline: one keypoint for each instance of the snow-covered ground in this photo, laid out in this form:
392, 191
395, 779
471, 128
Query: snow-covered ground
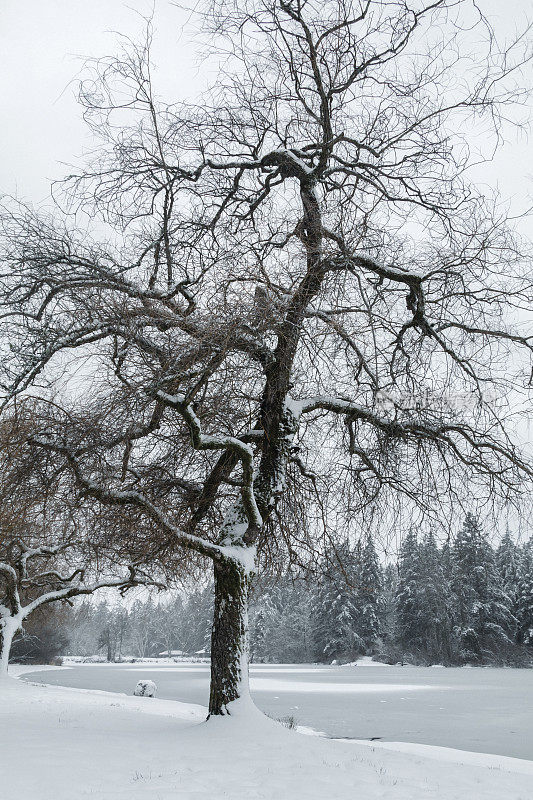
483, 710
58, 743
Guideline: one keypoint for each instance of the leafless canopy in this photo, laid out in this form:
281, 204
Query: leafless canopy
289, 291
46, 551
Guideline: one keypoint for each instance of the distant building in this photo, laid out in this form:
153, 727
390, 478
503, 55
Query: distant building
171, 653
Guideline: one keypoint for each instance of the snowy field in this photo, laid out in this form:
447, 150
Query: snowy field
481, 710
59, 744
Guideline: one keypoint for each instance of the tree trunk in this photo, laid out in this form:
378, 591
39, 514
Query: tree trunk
7, 631
229, 637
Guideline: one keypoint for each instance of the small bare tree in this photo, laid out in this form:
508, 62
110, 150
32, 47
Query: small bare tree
45, 551
293, 280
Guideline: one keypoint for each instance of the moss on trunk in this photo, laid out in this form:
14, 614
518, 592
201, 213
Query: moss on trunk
229, 639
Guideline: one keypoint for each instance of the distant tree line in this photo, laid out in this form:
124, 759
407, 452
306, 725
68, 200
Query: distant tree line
461, 602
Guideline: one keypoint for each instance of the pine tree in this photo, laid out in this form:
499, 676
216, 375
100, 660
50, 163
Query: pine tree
423, 599
482, 608
388, 607
281, 622
294, 631
336, 612
263, 615
369, 596
198, 614
524, 597
409, 605
509, 561
435, 596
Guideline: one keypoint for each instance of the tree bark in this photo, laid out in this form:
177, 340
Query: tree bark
229, 638
7, 631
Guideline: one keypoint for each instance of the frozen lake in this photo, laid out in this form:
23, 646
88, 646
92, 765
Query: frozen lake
483, 710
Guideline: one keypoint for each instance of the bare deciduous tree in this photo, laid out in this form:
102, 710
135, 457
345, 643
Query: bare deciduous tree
45, 551
283, 286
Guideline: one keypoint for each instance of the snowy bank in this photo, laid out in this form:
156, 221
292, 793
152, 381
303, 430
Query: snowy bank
16, 670
97, 659
365, 661
57, 743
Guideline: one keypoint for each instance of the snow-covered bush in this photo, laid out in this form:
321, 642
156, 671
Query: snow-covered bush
145, 688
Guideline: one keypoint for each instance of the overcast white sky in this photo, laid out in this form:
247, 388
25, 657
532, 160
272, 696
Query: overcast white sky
42, 46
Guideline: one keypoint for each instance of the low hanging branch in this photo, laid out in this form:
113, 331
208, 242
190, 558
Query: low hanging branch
28, 575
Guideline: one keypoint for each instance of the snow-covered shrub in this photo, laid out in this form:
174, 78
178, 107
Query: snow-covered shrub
145, 688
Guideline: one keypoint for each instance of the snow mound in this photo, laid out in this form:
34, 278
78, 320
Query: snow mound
145, 688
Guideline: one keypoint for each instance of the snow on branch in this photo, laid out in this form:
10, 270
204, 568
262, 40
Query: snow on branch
8, 571
202, 441
481, 446
112, 497
135, 577
13, 611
